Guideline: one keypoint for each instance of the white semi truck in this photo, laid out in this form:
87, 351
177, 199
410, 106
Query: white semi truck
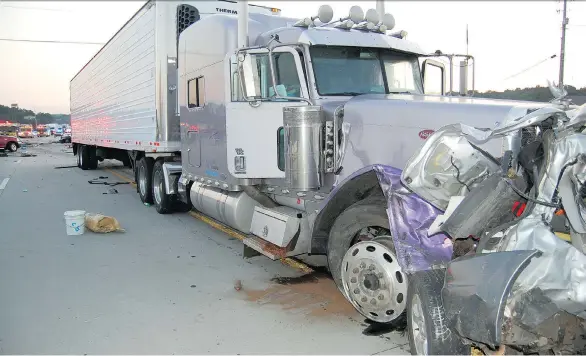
292, 131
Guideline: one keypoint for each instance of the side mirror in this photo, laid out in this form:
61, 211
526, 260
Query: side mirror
248, 73
434, 77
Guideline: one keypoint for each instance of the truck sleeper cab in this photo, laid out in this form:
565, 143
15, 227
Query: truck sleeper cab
264, 143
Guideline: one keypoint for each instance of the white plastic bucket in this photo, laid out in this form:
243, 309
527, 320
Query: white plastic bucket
75, 222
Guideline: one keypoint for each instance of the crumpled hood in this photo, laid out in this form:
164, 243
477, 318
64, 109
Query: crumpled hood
388, 129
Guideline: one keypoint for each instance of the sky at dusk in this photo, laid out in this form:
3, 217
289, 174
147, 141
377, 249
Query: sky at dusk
505, 37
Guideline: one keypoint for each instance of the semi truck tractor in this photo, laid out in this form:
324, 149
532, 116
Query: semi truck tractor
291, 131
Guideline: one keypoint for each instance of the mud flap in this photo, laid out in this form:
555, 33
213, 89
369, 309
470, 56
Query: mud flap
476, 290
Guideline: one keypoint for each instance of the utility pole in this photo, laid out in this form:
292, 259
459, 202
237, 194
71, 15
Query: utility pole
563, 49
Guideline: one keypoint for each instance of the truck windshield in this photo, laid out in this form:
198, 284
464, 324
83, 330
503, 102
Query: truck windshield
358, 70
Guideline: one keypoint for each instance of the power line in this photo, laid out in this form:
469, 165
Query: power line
533, 66
49, 41
32, 8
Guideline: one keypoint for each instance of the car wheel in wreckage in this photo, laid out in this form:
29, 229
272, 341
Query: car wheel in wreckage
427, 327
362, 261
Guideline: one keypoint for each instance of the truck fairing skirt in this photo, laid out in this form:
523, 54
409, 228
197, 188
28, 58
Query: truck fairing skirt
409, 218
476, 290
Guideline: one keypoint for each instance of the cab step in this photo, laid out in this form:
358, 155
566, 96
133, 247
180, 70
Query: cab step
265, 248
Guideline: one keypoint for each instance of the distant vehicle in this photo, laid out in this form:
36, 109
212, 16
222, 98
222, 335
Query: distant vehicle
58, 132
9, 143
35, 133
25, 134
66, 138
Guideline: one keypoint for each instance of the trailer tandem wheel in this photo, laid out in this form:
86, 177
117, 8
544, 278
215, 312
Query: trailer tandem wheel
144, 174
163, 201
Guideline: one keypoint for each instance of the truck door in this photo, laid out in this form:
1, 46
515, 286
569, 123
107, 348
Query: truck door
254, 129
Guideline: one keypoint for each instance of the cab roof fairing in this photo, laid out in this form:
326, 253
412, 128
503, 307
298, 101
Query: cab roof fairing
336, 37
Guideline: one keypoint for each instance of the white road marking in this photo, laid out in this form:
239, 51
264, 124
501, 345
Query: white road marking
3, 184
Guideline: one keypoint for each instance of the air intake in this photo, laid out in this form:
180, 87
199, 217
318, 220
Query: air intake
186, 16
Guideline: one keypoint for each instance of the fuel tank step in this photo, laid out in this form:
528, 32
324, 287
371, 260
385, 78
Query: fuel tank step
266, 248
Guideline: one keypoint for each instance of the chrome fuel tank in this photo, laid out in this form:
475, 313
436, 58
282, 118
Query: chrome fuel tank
234, 209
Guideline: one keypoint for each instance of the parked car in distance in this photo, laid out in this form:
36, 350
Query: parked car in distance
58, 132
25, 134
9, 143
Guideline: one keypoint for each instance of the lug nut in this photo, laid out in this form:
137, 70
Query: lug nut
363, 265
373, 301
371, 268
356, 291
355, 270
353, 280
381, 297
364, 299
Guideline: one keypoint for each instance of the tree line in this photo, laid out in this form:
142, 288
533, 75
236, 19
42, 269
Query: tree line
18, 115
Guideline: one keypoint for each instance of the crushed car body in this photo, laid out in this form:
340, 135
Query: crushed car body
517, 276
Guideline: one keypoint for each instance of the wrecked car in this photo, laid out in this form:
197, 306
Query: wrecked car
516, 280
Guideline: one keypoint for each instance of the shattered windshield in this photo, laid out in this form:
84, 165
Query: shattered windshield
357, 70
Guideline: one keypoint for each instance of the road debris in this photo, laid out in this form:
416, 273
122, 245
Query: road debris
238, 285
102, 223
111, 191
95, 181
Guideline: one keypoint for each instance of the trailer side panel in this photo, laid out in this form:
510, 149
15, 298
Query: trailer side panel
113, 101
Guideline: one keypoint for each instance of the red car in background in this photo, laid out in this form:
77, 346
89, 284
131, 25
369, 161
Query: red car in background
10, 143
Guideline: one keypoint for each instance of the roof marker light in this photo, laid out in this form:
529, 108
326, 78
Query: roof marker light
346, 24
389, 21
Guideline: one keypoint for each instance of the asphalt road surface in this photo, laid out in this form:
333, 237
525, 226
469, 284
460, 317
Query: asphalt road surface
165, 285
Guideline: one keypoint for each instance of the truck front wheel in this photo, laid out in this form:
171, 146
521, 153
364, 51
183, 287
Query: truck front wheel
362, 261
144, 173
163, 202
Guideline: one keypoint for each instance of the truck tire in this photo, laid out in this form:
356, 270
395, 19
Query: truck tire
12, 147
144, 182
367, 213
163, 202
427, 327
84, 157
92, 158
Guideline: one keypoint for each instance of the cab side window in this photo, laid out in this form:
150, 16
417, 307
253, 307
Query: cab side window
286, 76
196, 93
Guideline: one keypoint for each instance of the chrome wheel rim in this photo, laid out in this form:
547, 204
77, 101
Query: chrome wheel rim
80, 153
418, 326
373, 280
157, 187
142, 180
